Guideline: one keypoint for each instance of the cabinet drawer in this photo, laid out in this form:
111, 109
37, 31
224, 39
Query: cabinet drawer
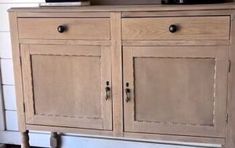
185, 28
74, 28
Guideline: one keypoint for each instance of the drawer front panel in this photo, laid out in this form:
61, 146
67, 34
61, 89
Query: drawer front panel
183, 28
74, 28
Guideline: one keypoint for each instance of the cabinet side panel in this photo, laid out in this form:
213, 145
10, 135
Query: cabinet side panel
231, 100
17, 70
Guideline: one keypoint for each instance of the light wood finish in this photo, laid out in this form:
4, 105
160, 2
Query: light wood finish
68, 86
186, 13
88, 132
17, 71
175, 42
25, 139
170, 138
179, 83
67, 42
77, 28
189, 28
231, 91
176, 90
65, 15
117, 73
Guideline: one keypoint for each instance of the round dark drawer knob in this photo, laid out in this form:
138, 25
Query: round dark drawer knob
173, 28
61, 28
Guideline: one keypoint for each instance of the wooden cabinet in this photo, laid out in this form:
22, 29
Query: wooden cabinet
66, 85
172, 90
126, 71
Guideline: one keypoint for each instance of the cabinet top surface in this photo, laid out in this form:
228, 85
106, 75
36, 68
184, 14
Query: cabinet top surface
118, 8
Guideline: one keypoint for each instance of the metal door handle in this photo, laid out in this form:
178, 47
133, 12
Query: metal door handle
128, 94
107, 91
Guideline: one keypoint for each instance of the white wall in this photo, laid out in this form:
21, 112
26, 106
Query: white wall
42, 139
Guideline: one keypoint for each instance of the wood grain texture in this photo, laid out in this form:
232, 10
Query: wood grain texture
65, 15
164, 86
231, 91
176, 43
64, 86
46, 28
87, 132
198, 72
160, 81
132, 14
200, 140
188, 28
17, 71
117, 73
66, 42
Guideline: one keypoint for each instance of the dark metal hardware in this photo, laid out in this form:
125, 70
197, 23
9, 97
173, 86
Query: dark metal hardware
229, 66
173, 28
61, 28
107, 91
227, 118
128, 92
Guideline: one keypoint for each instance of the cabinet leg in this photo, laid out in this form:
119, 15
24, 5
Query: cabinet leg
25, 139
55, 140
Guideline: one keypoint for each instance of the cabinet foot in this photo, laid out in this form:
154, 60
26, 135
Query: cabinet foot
55, 140
25, 139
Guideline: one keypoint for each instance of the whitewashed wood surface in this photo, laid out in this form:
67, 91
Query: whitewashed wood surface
11, 136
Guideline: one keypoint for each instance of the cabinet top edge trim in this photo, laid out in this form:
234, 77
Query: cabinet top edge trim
124, 8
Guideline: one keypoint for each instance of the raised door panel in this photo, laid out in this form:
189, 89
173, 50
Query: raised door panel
176, 90
66, 86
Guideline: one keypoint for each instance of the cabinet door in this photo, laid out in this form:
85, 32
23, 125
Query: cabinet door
176, 90
67, 86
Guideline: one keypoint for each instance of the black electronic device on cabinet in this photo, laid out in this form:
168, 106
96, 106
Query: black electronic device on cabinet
191, 1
